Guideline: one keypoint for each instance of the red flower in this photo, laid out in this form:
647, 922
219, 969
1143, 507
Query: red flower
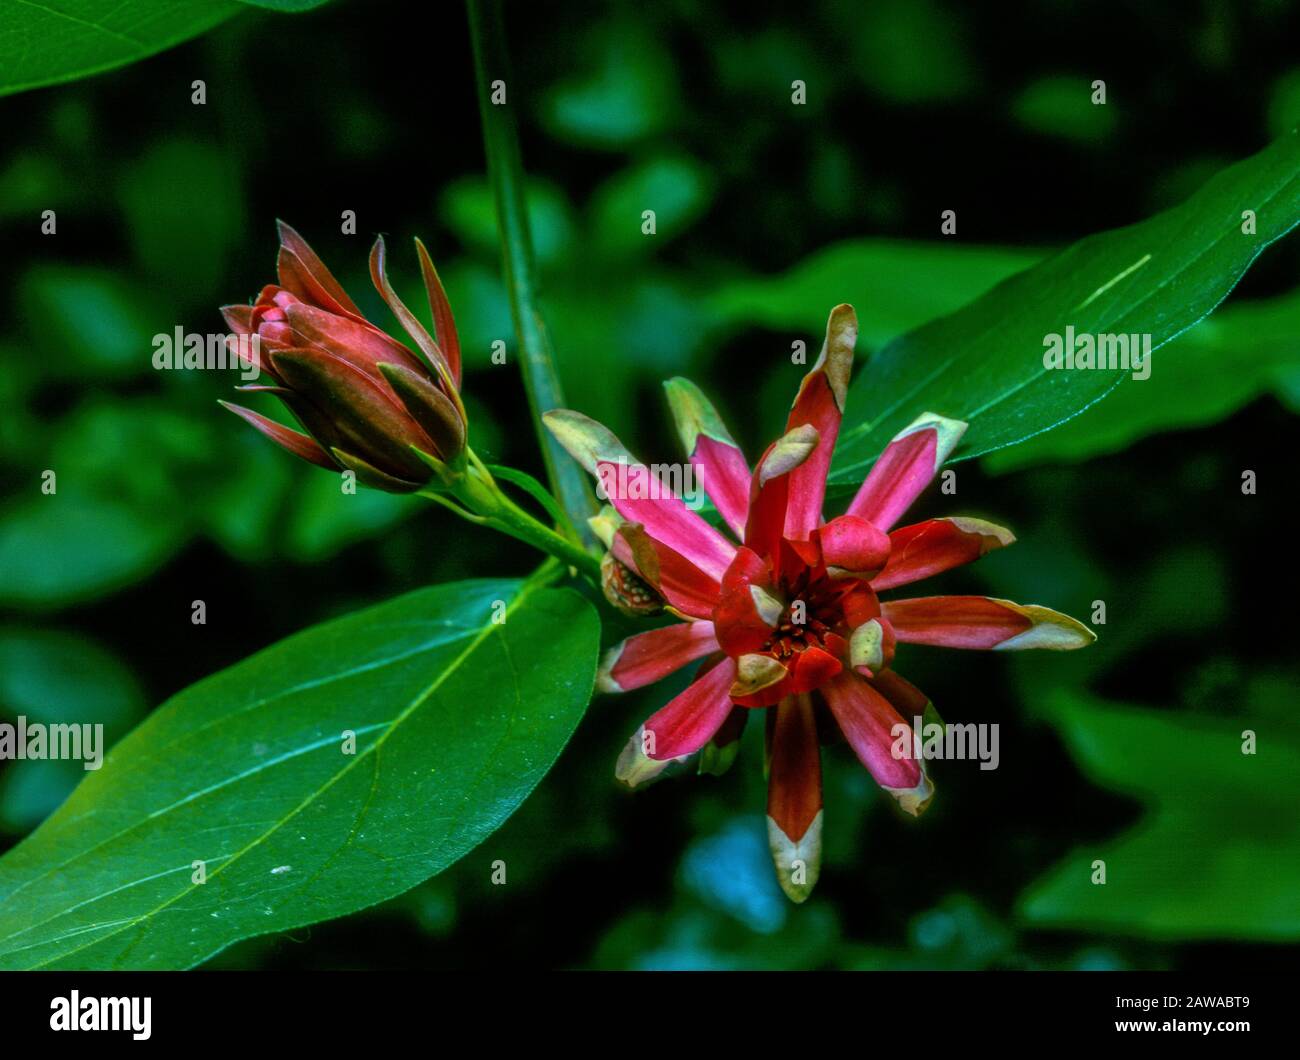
367, 402
789, 620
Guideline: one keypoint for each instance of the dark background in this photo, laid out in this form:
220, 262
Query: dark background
166, 210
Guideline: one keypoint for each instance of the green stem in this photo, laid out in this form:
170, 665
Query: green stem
506, 174
483, 502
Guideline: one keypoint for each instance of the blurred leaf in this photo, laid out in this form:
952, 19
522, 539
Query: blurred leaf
323, 519
1284, 106
909, 51
468, 209
1217, 854
893, 284
71, 546
240, 769
984, 363
1062, 106
629, 93
678, 189
43, 45
50, 677
1220, 365
183, 210
90, 320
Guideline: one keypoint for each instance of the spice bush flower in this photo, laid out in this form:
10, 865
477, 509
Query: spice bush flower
787, 617
369, 404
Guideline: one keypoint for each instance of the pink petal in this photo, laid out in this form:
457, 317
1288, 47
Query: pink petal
868, 722
638, 495
648, 657
905, 468
719, 463
690, 719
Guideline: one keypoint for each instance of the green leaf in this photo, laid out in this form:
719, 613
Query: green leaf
894, 285
1218, 852
44, 44
456, 719
984, 363
71, 546
532, 487
1226, 361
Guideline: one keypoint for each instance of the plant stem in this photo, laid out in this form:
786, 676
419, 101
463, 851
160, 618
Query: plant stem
483, 502
506, 174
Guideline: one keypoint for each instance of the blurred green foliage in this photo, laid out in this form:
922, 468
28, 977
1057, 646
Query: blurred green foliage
766, 214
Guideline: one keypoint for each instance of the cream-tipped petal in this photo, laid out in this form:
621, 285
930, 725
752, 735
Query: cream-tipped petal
769, 608
756, 672
915, 800
798, 863
788, 452
1002, 537
586, 440
1051, 630
635, 768
694, 414
947, 434
868, 646
605, 524
837, 352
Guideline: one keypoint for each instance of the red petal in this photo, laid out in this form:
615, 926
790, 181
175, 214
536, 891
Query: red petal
687, 588
927, 548
742, 627
648, 657
794, 796
868, 721
983, 622
954, 621
721, 465
769, 491
443, 322
853, 547
322, 276
361, 345
820, 402
689, 720
406, 318
298, 444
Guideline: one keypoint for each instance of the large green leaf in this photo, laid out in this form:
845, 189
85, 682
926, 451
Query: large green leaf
1217, 853
456, 719
46, 43
984, 363
1243, 351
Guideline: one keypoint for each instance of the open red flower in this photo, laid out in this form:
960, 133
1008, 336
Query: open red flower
787, 617
368, 403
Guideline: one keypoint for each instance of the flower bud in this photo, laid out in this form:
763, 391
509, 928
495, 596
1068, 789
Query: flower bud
368, 403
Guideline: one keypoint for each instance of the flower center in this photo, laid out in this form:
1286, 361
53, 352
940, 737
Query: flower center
814, 611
